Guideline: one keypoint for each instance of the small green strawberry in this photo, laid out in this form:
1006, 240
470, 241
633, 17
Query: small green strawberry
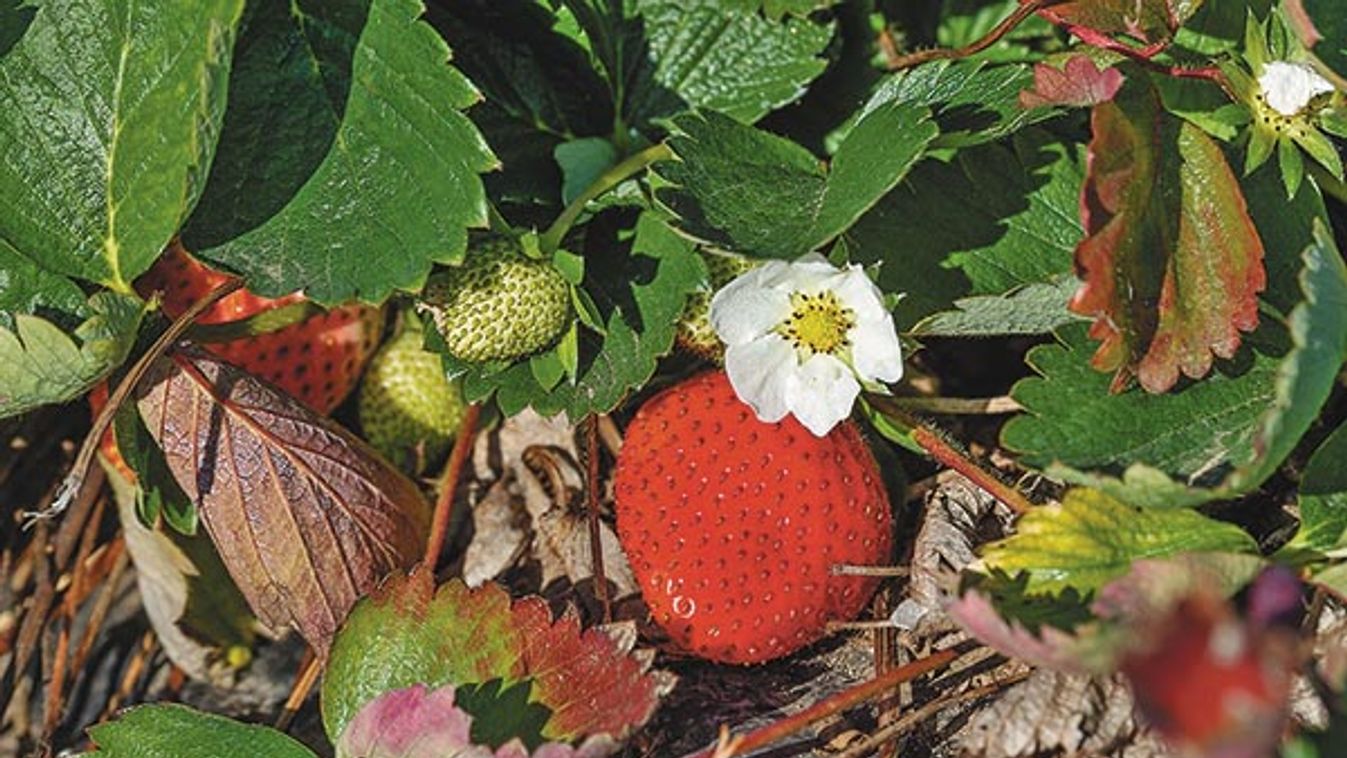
409, 410
499, 305
694, 327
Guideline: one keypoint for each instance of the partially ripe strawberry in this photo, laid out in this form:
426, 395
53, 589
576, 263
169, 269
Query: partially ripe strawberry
318, 360
409, 410
1212, 683
733, 525
499, 305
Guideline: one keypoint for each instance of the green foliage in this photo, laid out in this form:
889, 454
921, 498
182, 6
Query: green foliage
40, 363
110, 118
1216, 438
176, 731
397, 143
992, 219
732, 183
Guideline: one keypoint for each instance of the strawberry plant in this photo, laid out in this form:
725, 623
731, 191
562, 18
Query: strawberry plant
639, 377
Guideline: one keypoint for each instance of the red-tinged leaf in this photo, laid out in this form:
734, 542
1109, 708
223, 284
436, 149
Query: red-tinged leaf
1171, 264
1048, 647
1079, 83
417, 722
584, 675
1096, 22
408, 634
306, 517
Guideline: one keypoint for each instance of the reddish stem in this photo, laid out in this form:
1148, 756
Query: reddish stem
74, 481
1008, 24
830, 706
948, 455
592, 512
956, 459
444, 504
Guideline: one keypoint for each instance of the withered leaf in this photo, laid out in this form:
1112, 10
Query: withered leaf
1171, 264
306, 517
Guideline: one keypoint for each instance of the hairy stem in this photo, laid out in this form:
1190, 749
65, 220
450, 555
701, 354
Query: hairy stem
74, 481
634, 164
936, 446
1008, 24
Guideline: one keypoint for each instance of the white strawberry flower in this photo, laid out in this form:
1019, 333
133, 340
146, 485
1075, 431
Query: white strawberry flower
1289, 87
802, 337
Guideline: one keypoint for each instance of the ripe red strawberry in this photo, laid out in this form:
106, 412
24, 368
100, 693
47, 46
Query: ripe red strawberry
1212, 683
733, 525
318, 361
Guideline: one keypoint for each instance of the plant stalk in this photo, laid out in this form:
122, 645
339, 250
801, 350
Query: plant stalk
79, 470
830, 706
634, 164
453, 471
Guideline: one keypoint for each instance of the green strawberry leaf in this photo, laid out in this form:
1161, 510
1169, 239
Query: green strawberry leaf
755, 193
371, 81
411, 633
707, 54
776, 9
1091, 538
665, 57
582, 161
31, 288
630, 304
973, 103
1031, 309
1213, 439
110, 120
156, 492
176, 731
1172, 263
993, 219
1323, 499
540, 86
40, 363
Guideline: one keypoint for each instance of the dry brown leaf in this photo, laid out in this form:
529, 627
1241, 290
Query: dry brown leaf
1053, 713
958, 517
306, 517
533, 502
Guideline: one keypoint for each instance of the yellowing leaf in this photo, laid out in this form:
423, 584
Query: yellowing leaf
1091, 538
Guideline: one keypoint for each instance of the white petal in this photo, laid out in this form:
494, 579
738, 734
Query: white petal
1289, 87
811, 272
858, 293
876, 353
759, 372
744, 309
821, 392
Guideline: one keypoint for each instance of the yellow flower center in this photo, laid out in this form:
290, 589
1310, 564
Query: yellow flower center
818, 323
1278, 123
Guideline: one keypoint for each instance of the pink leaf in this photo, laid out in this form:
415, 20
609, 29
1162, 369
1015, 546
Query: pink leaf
1079, 83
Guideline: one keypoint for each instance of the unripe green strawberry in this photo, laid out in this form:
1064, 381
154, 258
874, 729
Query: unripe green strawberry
499, 305
733, 525
694, 327
409, 410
